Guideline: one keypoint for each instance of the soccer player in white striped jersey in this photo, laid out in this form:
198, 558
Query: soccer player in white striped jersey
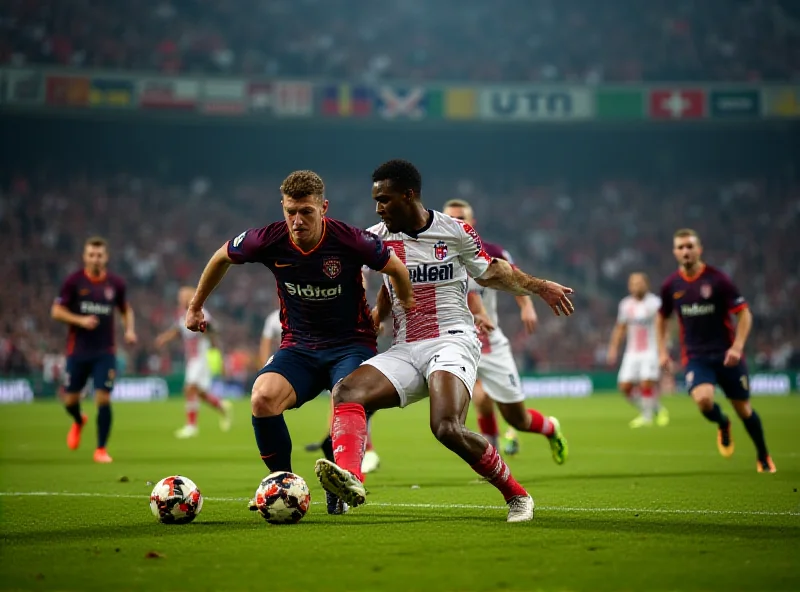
498, 377
435, 352
636, 322
197, 380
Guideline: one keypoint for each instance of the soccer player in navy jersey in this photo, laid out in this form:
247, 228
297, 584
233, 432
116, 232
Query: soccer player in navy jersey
86, 303
704, 299
328, 329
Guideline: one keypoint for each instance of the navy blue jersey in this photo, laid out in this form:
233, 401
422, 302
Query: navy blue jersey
321, 293
85, 295
704, 305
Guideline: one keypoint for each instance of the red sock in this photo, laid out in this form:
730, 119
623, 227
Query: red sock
369, 434
540, 424
487, 424
496, 471
647, 391
213, 401
191, 412
349, 434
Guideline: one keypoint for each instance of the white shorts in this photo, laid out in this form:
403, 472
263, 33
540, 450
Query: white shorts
499, 375
408, 365
198, 373
639, 368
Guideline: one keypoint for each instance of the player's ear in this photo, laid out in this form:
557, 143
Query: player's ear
324, 206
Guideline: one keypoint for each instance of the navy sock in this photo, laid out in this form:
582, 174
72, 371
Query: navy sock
716, 415
327, 448
274, 442
103, 425
753, 426
75, 411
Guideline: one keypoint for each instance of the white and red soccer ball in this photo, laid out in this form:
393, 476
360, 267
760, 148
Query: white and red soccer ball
282, 498
176, 500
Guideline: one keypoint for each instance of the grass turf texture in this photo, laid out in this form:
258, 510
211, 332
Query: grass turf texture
654, 509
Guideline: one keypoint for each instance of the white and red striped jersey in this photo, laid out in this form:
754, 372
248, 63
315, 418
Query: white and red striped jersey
195, 344
440, 258
640, 318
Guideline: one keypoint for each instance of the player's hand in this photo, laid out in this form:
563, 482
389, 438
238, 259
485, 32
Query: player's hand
195, 320
556, 297
611, 357
529, 319
732, 357
130, 337
665, 362
483, 323
89, 322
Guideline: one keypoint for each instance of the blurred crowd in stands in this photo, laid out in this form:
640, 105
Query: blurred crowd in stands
588, 236
580, 41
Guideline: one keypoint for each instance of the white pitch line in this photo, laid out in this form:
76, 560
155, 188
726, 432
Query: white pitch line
433, 506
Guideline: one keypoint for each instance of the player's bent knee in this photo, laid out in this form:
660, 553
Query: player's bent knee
272, 395
345, 392
449, 432
102, 397
703, 395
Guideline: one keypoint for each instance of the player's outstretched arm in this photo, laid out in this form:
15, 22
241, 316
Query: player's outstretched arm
401, 280
166, 336
500, 275
744, 322
215, 270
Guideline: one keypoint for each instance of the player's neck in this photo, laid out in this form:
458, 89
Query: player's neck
94, 275
693, 270
420, 218
309, 244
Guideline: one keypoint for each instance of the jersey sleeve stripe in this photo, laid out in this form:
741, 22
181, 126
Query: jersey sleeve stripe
739, 308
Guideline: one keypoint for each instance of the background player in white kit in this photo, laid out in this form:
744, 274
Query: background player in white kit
640, 370
197, 379
498, 377
436, 350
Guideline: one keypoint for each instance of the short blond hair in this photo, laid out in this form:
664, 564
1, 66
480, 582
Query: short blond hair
96, 241
685, 233
457, 203
302, 184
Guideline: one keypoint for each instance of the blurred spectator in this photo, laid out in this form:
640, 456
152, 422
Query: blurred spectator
580, 41
590, 236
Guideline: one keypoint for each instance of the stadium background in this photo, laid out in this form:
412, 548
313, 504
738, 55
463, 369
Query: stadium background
581, 183
583, 132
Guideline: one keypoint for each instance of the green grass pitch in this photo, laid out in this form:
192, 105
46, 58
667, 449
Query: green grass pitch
654, 509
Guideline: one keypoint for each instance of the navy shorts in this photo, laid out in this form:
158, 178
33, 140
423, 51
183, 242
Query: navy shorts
102, 368
733, 381
311, 371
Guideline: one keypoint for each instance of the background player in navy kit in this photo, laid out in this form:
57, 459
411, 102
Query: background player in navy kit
704, 299
327, 326
86, 303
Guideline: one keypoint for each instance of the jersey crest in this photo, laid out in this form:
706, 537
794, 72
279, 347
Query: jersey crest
332, 267
440, 250
109, 293
706, 291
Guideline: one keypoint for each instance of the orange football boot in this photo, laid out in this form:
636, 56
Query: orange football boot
74, 435
101, 456
725, 441
766, 465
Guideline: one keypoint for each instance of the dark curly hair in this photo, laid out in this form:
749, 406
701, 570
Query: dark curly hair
401, 173
302, 184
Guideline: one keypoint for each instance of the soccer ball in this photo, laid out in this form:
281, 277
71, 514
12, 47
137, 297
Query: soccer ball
176, 500
282, 498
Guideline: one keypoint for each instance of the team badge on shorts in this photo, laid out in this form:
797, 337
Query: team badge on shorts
705, 291
440, 250
109, 293
332, 267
